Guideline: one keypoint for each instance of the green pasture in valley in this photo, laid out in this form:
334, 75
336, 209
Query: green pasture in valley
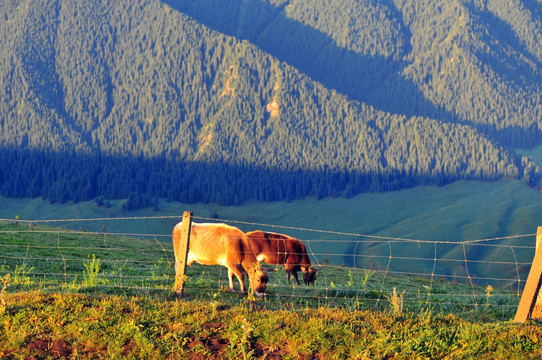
455, 212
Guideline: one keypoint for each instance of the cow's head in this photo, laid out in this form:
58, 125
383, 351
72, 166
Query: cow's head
309, 274
258, 279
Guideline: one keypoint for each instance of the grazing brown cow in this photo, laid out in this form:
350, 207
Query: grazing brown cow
279, 249
221, 244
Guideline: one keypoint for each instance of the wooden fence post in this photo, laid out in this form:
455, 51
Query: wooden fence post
181, 254
530, 306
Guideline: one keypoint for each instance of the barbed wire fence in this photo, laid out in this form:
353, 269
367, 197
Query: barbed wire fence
356, 270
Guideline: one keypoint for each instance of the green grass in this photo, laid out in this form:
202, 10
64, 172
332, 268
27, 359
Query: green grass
54, 259
97, 326
85, 295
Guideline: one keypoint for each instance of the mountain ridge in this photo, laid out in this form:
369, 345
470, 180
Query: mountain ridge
174, 83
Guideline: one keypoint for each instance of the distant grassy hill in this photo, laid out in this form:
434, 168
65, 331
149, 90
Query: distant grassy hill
65, 293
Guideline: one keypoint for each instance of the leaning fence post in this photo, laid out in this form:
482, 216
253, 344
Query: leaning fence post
181, 253
529, 305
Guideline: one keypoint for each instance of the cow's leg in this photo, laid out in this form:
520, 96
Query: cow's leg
189, 260
234, 270
294, 273
230, 278
289, 273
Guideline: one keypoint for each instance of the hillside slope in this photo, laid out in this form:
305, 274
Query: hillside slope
228, 101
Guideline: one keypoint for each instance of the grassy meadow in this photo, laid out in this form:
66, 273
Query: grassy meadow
74, 294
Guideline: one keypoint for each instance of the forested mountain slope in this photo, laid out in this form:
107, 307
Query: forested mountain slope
476, 62
232, 100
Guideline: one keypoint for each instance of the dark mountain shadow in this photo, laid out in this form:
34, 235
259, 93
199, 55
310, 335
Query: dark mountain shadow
69, 175
374, 80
